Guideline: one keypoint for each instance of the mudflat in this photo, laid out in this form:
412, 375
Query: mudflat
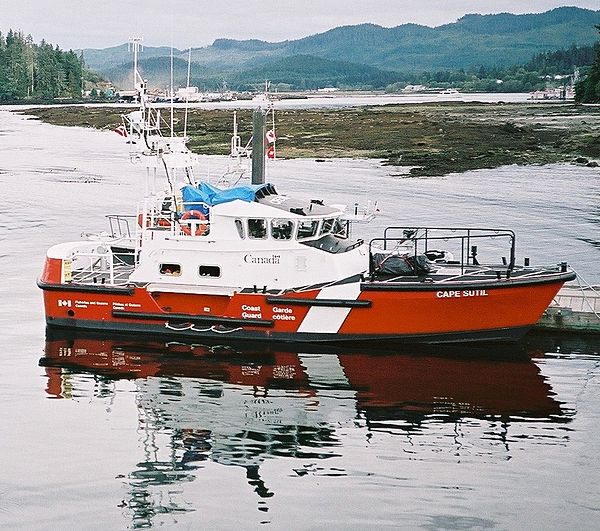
430, 138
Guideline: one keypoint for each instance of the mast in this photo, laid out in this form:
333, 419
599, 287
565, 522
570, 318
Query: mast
172, 110
236, 141
259, 120
135, 43
258, 146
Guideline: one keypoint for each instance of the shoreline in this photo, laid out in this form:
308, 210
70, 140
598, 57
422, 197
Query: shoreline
431, 139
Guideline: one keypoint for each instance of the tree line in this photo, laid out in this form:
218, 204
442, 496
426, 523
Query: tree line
305, 72
537, 74
30, 71
588, 90
37, 71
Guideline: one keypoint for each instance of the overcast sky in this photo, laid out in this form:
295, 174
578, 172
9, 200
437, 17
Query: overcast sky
185, 23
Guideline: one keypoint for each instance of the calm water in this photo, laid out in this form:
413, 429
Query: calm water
115, 433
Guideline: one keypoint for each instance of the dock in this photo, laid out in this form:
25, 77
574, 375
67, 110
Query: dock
574, 309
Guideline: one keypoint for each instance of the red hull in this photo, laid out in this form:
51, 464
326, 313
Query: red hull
501, 310
385, 383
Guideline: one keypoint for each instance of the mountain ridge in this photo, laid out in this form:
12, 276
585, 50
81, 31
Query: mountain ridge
498, 40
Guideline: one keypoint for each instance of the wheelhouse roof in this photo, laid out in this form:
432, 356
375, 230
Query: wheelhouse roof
298, 207
266, 209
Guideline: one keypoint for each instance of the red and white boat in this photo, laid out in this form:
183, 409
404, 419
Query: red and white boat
466, 380
251, 263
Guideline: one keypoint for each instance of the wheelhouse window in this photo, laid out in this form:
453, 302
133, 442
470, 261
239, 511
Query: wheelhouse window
209, 271
307, 229
170, 270
282, 229
327, 226
257, 229
340, 229
239, 225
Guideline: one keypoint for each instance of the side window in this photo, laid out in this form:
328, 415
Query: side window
327, 225
282, 229
307, 228
340, 229
170, 270
209, 271
239, 225
257, 229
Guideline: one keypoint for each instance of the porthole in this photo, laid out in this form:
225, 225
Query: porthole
171, 270
209, 271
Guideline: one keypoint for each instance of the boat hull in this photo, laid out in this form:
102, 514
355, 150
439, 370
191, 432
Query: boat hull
351, 311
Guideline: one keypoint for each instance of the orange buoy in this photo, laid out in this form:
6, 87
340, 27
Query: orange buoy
194, 214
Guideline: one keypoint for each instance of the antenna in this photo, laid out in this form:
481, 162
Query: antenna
187, 93
236, 141
171, 91
274, 135
135, 43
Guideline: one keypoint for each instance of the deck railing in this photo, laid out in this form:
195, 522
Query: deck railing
100, 266
188, 220
420, 240
120, 225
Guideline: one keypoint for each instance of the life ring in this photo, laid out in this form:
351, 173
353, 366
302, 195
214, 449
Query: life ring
194, 214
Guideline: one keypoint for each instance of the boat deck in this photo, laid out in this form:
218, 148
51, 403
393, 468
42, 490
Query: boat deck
120, 273
118, 276
449, 273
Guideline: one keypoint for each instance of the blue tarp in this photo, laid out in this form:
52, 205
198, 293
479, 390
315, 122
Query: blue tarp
210, 195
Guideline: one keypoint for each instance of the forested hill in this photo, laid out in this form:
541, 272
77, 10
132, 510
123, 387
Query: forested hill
502, 52
588, 89
37, 71
497, 41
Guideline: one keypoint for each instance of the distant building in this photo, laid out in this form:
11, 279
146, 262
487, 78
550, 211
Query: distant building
560, 93
127, 96
191, 94
414, 88
102, 89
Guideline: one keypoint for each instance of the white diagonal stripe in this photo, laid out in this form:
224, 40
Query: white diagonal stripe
323, 319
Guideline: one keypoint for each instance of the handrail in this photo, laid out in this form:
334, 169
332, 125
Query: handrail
160, 215
100, 263
119, 225
466, 235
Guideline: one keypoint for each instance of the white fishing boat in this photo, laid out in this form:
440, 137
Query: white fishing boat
449, 92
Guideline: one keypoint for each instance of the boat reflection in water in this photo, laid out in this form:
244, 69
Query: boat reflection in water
237, 405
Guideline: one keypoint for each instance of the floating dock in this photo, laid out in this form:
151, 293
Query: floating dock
574, 309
